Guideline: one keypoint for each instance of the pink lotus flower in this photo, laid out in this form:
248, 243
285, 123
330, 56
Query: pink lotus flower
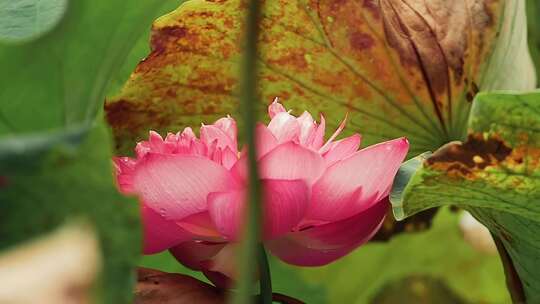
321, 199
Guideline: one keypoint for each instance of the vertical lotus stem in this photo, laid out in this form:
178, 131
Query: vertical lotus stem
248, 102
265, 278
513, 282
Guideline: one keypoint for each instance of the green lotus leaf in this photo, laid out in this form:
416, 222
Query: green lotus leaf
48, 179
494, 174
60, 78
28, 19
533, 19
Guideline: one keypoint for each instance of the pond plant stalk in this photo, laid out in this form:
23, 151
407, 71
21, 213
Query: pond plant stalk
252, 251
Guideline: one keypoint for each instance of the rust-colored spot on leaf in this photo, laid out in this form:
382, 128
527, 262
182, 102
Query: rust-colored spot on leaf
336, 4
372, 7
361, 41
120, 113
296, 58
476, 153
3, 181
162, 37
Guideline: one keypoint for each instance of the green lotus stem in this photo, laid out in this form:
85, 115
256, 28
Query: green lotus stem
513, 282
265, 277
248, 106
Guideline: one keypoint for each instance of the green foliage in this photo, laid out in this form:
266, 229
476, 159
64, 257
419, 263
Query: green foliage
64, 74
417, 289
27, 19
55, 164
510, 66
533, 20
53, 177
140, 49
439, 253
495, 175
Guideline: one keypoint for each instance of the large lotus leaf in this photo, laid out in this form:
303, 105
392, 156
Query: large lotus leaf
140, 49
49, 178
24, 20
495, 174
440, 253
62, 76
533, 19
397, 67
